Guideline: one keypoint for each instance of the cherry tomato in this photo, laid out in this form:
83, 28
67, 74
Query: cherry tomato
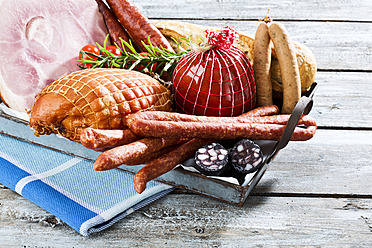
141, 67
114, 50
91, 49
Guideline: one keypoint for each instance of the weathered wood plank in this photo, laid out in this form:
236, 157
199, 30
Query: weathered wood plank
336, 45
239, 9
333, 162
343, 99
196, 221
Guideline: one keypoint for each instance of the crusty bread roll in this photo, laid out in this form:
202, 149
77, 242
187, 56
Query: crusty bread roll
98, 98
305, 58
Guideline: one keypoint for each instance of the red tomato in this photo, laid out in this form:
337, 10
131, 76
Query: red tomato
141, 67
114, 50
91, 49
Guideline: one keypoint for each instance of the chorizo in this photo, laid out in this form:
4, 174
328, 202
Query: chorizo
138, 26
141, 125
113, 26
101, 139
166, 163
126, 154
160, 116
261, 111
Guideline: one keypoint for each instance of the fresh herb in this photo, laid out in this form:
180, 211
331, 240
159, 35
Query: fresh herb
153, 60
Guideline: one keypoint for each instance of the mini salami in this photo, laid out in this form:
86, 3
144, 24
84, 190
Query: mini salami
211, 159
246, 156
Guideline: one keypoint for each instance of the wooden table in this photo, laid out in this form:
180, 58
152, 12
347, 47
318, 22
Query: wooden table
315, 193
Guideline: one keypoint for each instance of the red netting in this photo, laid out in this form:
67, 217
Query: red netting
217, 82
98, 98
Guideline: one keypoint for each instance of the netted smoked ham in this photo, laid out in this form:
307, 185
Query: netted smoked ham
217, 80
97, 98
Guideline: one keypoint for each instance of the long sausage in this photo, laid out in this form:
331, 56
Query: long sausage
166, 163
289, 70
100, 139
137, 25
261, 111
114, 27
146, 124
262, 64
126, 154
146, 118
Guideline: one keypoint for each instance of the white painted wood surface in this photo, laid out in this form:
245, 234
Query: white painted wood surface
316, 193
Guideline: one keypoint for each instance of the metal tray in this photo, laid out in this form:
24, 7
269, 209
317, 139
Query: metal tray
214, 187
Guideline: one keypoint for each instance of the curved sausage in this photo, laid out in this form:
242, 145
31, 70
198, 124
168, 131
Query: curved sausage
261, 65
137, 25
289, 70
166, 163
126, 154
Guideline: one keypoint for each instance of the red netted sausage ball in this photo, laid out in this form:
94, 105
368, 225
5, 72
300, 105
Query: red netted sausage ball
215, 82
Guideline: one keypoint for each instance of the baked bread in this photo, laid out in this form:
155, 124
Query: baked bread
98, 98
183, 30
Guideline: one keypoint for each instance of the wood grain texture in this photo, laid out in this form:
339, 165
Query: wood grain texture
195, 221
336, 45
335, 10
316, 193
334, 162
343, 100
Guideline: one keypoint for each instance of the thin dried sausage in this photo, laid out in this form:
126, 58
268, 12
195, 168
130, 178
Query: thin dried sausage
138, 26
114, 27
126, 154
147, 124
100, 139
166, 163
261, 111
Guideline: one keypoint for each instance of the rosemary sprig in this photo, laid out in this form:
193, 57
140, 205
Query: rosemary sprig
155, 60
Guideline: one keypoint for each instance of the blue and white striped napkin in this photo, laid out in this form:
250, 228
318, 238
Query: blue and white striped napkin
69, 188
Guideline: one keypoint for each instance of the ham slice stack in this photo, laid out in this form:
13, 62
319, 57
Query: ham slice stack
40, 42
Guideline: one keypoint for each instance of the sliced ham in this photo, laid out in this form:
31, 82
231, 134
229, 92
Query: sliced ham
40, 42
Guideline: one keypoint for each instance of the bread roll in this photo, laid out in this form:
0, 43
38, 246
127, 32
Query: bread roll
98, 98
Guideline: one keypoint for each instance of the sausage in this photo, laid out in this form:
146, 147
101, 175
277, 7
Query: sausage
126, 154
138, 26
147, 124
100, 139
261, 111
148, 157
166, 163
261, 65
114, 27
160, 116
290, 73
148, 174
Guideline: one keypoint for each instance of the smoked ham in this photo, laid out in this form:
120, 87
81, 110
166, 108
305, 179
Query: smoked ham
98, 98
40, 42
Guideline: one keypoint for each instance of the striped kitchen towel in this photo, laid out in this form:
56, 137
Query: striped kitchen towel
69, 188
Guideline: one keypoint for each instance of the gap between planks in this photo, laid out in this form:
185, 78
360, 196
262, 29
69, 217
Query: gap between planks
257, 19
278, 194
